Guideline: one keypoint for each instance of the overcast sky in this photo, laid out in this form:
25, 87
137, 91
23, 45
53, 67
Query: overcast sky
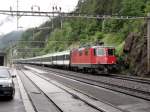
8, 23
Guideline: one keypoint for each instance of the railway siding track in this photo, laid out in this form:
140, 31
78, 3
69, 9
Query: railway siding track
131, 78
89, 104
133, 87
66, 102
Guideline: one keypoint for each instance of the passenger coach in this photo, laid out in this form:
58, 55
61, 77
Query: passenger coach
95, 58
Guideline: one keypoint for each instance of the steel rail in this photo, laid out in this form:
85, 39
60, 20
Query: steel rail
42, 92
69, 15
64, 90
108, 85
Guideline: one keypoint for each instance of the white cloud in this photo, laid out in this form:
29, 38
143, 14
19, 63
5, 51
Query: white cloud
26, 22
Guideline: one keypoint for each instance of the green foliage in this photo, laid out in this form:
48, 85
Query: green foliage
99, 35
119, 48
60, 39
99, 6
112, 25
147, 8
79, 31
113, 39
133, 7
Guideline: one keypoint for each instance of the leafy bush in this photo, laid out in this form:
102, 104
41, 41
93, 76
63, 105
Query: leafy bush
78, 31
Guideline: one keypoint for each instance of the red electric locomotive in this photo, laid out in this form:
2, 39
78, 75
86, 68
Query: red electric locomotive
96, 58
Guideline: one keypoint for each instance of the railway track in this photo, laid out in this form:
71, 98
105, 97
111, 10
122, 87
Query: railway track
131, 78
35, 95
95, 107
132, 86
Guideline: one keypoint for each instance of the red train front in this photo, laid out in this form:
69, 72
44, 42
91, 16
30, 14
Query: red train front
96, 58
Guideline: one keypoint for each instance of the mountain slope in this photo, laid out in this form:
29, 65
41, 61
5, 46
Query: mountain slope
13, 36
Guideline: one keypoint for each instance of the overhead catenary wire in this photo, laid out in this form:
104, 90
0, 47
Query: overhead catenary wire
68, 15
80, 15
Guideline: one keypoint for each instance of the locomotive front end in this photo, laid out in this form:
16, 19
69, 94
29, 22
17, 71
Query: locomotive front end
105, 58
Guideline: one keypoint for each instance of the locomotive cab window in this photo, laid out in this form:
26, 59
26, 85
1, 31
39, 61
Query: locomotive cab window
80, 53
86, 52
100, 52
111, 51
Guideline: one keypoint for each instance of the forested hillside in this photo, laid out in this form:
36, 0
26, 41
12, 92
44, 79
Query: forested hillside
6, 39
80, 31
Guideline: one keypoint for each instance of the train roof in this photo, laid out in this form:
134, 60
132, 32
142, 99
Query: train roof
103, 46
56, 54
62, 53
48, 55
82, 48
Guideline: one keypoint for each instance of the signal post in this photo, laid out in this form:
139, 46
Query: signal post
148, 43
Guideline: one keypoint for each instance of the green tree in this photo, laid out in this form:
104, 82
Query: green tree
133, 7
147, 8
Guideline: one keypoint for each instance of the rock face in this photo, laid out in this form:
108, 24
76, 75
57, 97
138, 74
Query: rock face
135, 51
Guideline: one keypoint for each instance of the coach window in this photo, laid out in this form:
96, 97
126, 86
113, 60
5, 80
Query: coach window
54, 58
59, 57
100, 52
47, 59
64, 57
44, 59
50, 58
67, 57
